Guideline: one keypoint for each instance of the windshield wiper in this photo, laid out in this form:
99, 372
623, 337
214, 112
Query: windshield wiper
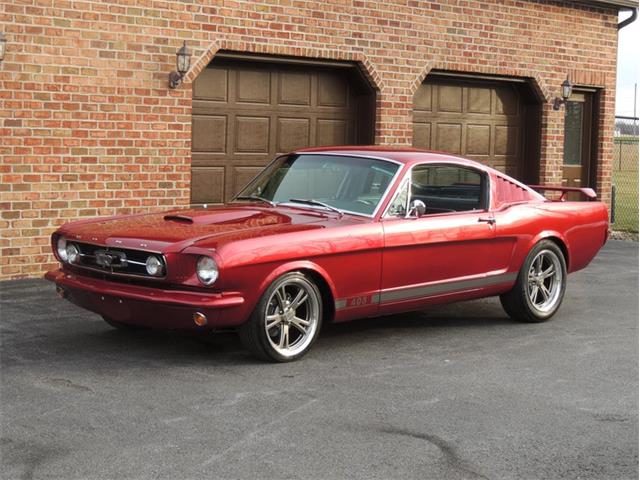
256, 198
311, 201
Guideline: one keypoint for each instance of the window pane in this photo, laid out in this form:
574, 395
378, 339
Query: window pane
573, 133
447, 188
353, 184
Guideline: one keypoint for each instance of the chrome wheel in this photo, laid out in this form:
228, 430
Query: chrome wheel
292, 316
544, 281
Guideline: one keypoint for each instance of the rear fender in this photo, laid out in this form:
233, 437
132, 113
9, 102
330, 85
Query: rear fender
554, 234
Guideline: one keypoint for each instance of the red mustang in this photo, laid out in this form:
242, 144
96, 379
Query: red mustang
333, 234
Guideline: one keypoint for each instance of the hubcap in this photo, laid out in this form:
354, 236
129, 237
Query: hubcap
544, 283
291, 317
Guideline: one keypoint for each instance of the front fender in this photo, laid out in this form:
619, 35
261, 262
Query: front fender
295, 266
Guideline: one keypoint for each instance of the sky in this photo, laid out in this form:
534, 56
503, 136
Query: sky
628, 63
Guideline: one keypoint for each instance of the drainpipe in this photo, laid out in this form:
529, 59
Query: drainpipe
631, 19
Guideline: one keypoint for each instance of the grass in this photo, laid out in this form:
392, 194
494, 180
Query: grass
626, 183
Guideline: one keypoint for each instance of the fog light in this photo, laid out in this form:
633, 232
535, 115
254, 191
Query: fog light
200, 319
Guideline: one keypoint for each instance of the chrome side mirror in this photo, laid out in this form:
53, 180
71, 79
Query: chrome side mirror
417, 208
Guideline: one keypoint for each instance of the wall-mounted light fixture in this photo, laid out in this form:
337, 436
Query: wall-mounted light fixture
183, 62
567, 87
3, 46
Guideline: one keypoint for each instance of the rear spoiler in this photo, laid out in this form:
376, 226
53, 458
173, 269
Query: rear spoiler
587, 192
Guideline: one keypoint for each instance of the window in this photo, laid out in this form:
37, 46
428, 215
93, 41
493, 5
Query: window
448, 188
398, 207
351, 184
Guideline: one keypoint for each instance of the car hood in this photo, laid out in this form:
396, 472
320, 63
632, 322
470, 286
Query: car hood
177, 229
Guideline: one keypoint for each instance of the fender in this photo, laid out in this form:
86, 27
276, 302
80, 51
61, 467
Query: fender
548, 234
292, 267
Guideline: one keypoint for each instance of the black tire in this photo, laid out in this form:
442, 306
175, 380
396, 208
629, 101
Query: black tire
261, 344
518, 301
121, 326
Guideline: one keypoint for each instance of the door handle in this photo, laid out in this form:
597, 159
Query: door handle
489, 220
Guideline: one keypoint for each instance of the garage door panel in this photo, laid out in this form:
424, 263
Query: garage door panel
293, 133
207, 185
253, 86
209, 133
252, 134
479, 100
212, 85
332, 90
331, 132
422, 100
449, 137
449, 99
241, 176
478, 140
506, 102
294, 88
506, 139
422, 135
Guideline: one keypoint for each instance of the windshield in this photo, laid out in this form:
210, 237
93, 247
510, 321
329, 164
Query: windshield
350, 184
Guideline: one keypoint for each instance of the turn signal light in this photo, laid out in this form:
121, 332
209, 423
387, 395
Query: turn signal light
200, 319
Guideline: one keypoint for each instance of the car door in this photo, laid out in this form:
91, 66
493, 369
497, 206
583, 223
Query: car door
451, 248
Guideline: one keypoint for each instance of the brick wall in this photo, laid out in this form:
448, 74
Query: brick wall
88, 126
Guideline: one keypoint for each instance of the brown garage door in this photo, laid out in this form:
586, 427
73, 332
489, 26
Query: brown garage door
244, 114
482, 121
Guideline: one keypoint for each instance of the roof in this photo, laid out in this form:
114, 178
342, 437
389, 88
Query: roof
397, 154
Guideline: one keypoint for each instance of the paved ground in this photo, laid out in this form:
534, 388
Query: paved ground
459, 392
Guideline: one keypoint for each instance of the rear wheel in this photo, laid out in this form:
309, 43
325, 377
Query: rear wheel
286, 321
540, 286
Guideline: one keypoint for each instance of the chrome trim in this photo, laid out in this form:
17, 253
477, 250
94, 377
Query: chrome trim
407, 293
433, 289
120, 274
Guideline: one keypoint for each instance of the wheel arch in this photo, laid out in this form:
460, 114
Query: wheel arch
558, 239
318, 274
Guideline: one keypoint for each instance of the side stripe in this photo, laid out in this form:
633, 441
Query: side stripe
408, 293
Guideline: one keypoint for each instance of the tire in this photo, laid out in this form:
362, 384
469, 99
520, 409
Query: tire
540, 286
286, 320
121, 326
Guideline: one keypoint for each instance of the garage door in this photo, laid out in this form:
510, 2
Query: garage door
482, 121
244, 114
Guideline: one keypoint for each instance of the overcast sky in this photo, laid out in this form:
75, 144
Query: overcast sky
628, 61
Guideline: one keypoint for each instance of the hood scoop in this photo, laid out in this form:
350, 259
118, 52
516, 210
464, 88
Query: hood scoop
178, 218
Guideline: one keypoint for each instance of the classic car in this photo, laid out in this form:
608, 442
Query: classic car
331, 235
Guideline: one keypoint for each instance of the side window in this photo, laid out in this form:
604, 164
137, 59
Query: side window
398, 207
447, 188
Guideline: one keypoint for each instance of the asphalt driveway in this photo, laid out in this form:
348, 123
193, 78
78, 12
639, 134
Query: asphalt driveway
456, 392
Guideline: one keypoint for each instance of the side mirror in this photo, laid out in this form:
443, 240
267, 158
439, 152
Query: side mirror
417, 208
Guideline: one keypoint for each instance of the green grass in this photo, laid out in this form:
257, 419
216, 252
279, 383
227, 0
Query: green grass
626, 183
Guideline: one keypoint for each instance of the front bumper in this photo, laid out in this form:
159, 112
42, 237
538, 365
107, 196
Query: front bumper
147, 306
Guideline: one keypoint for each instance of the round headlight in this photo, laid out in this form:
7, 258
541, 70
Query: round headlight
207, 270
72, 253
62, 248
154, 266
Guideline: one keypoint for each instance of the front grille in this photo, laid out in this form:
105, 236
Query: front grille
117, 261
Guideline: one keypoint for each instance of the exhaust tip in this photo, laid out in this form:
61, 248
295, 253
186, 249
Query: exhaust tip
200, 319
60, 291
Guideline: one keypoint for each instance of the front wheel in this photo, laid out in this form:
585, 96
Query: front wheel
540, 286
286, 321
